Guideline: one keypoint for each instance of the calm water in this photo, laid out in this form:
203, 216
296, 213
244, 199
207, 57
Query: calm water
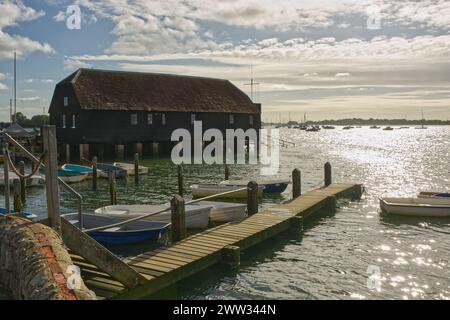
330, 259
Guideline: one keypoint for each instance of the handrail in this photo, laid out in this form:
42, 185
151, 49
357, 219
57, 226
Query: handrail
69, 188
161, 211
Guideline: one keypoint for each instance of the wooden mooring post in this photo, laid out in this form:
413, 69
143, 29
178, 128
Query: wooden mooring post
112, 187
178, 228
227, 171
296, 183
180, 180
252, 198
328, 176
17, 196
6, 179
94, 173
23, 195
51, 176
136, 168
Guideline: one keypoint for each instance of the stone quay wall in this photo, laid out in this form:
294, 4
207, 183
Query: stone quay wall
34, 264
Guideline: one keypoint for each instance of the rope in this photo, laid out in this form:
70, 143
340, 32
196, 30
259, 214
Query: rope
17, 172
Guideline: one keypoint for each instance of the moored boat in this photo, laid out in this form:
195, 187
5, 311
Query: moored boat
270, 186
71, 176
416, 207
83, 169
129, 233
224, 211
106, 167
26, 214
205, 190
388, 129
197, 216
33, 181
129, 168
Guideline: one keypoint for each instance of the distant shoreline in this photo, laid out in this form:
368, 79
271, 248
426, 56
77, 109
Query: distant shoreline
366, 122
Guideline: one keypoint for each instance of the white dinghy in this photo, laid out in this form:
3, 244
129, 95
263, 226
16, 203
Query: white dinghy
197, 217
224, 211
416, 207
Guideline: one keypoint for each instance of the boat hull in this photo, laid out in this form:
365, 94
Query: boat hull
106, 168
197, 217
201, 191
434, 195
26, 214
129, 168
274, 186
84, 170
133, 232
34, 181
71, 176
224, 211
416, 207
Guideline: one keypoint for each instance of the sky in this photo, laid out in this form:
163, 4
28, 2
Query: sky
329, 59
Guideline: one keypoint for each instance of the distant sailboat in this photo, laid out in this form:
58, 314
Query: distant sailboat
423, 123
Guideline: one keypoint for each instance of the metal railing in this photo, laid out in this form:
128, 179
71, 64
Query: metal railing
163, 210
64, 184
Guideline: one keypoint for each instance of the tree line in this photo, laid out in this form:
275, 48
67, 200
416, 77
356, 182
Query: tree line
21, 119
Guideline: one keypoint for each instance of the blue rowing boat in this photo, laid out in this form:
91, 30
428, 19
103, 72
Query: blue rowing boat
106, 167
28, 215
133, 232
270, 186
83, 169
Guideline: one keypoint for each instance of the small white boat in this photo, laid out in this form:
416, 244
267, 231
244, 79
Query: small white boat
71, 176
129, 167
224, 211
205, 190
416, 207
197, 217
34, 181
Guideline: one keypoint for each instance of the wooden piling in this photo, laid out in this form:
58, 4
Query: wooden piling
23, 195
178, 219
227, 171
231, 257
328, 177
51, 176
112, 187
6, 179
252, 198
180, 180
136, 168
17, 196
296, 183
94, 173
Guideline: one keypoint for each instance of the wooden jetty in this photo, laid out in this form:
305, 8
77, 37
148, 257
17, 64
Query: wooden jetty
168, 265
147, 273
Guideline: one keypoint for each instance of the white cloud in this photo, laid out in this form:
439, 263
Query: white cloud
74, 63
11, 14
29, 98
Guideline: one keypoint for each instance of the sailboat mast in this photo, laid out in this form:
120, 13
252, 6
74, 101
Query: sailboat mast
15, 88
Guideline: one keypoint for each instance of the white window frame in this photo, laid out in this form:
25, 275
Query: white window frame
74, 121
149, 118
192, 118
163, 119
231, 118
250, 120
66, 101
134, 119
64, 121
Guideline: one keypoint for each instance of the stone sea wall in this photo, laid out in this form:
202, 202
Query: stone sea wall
34, 263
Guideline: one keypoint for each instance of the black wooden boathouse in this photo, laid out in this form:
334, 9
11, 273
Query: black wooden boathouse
115, 113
